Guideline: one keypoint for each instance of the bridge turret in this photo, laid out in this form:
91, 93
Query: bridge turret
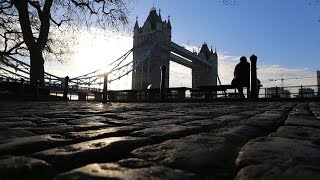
213, 55
205, 52
169, 23
154, 30
136, 26
204, 75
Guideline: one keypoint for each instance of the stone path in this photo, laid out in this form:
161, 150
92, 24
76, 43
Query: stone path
219, 140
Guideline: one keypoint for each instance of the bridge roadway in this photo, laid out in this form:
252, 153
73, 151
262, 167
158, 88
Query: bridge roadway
181, 54
222, 140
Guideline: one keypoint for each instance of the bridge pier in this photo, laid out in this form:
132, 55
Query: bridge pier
98, 96
82, 96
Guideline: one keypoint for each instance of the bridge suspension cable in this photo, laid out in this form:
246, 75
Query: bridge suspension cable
118, 70
21, 69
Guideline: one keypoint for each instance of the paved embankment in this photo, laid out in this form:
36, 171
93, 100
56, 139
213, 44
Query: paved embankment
222, 140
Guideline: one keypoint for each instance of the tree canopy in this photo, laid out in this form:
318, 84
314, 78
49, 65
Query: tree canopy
25, 25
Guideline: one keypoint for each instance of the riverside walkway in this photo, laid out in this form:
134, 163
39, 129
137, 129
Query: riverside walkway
217, 140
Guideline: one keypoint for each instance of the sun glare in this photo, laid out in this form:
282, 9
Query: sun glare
95, 50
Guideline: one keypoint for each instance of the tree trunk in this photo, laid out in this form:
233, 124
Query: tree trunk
35, 46
36, 67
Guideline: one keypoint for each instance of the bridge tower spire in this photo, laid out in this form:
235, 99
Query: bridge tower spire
154, 30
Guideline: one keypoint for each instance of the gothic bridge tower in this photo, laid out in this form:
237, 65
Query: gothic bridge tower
204, 74
154, 30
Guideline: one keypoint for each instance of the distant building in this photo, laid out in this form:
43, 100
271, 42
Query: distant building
279, 92
306, 92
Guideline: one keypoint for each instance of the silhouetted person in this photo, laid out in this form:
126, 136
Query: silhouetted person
258, 87
241, 75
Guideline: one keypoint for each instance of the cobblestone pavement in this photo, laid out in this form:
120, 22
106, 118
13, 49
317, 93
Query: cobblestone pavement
218, 140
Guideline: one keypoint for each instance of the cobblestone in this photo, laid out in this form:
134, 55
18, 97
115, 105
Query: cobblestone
217, 140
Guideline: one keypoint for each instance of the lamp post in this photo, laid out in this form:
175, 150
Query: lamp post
105, 87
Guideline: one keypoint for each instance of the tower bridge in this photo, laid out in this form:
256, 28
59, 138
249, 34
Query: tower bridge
203, 64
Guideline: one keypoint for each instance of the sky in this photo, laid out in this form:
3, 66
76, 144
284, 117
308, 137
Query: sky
284, 34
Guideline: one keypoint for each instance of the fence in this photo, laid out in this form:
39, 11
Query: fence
174, 94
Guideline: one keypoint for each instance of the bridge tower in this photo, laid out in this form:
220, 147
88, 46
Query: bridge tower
154, 30
203, 74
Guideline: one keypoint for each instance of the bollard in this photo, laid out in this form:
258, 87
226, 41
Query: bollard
36, 92
66, 87
105, 87
22, 87
163, 82
254, 86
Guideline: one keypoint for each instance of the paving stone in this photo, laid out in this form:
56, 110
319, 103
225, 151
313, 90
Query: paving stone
13, 118
14, 133
205, 124
87, 120
191, 117
165, 132
61, 129
137, 170
31, 144
51, 124
302, 121
197, 140
20, 167
279, 153
229, 118
100, 150
250, 113
206, 154
241, 134
161, 122
268, 121
298, 133
271, 172
7, 125
102, 133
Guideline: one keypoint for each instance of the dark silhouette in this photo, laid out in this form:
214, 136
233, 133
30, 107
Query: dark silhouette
254, 85
163, 82
241, 75
66, 88
259, 85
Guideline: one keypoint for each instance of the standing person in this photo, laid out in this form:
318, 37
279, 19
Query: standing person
241, 75
259, 85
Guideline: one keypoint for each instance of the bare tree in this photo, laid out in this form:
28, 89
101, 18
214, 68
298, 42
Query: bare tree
25, 25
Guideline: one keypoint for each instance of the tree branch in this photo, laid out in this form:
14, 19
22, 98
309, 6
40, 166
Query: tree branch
82, 5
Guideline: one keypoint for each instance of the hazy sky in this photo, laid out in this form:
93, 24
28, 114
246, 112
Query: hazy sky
284, 34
